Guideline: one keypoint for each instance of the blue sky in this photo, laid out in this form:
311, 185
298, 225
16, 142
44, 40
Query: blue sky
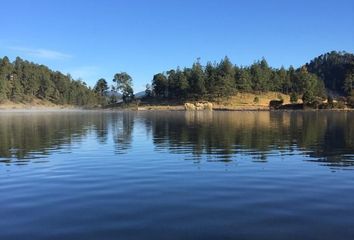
94, 39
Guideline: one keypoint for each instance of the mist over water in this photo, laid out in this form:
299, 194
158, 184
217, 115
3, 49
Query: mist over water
177, 175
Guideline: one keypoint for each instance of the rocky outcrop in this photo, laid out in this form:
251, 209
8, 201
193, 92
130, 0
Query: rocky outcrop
198, 106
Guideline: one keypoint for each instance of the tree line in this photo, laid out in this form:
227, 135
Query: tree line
329, 74
336, 69
223, 79
333, 72
123, 87
21, 81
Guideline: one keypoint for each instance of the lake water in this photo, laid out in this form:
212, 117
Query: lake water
177, 175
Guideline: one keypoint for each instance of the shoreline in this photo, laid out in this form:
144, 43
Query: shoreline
160, 108
230, 106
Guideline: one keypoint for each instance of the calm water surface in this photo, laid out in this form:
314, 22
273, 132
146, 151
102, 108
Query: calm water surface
177, 175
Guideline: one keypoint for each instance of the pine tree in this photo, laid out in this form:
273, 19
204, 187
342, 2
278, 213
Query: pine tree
197, 81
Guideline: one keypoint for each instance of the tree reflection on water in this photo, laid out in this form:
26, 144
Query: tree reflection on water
327, 137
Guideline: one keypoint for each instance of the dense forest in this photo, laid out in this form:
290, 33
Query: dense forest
332, 71
21, 81
336, 70
331, 74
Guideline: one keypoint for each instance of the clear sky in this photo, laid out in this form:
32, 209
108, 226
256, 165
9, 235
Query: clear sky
93, 39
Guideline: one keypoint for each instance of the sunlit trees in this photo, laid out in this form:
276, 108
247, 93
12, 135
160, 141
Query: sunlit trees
243, 80
197, 81
308, 97
178, 85
223, 79
261, 75
125, 85
5, 71
101, 87
21, 81
160, 85
333, 68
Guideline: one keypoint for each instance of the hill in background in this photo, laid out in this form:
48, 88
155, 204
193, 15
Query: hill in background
332, 73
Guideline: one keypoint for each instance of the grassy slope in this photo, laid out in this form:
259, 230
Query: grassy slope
240, 101
33, 104
246, 101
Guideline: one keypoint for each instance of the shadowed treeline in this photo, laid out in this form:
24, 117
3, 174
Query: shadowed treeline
328, 137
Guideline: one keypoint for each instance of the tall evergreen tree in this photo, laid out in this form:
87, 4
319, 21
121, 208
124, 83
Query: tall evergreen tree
243, 80
197, 81
225, 78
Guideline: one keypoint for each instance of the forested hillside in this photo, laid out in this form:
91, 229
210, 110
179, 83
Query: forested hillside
336, 69
21, 81
333, 71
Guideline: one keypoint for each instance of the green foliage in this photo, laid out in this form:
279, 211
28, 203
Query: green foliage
124, 84
3, 90
243, 80
6, 68
349, 83
148, 91
223, 79
160, 85
261, 76
177, 83
308, 97
197, 81
17, 90
101, 87
333, 68
23, 81
284, 80
293, 97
